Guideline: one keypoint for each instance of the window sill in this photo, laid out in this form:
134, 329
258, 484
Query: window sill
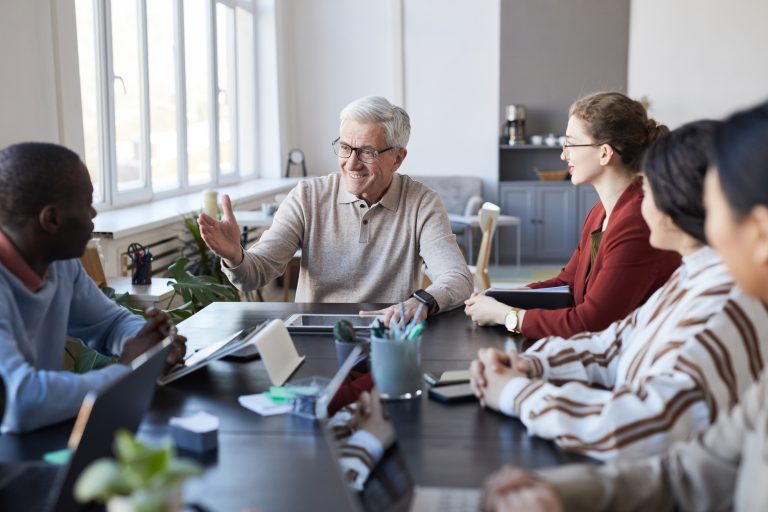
128, 221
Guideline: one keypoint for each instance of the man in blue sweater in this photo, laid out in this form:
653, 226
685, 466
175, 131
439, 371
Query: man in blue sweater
45, 295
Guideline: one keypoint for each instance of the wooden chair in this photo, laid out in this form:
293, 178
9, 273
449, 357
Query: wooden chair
488, 215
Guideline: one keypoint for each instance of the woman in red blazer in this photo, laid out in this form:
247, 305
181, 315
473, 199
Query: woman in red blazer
614, 269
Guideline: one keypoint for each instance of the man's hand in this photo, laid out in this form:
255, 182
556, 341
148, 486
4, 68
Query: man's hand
411, 306
511, 489
491, 371
158, 326
222, 237
485, 310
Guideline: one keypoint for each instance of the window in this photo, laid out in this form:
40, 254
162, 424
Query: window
168, 92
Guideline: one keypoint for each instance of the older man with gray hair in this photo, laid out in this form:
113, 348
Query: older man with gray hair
363, 231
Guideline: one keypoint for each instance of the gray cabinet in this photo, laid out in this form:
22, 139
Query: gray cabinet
587, 198
551, 217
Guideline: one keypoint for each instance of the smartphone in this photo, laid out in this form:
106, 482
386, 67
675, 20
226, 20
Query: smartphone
453, 393
449, 377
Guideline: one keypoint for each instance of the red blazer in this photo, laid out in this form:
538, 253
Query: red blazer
627, 270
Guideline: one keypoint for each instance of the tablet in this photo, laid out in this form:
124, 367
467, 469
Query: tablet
202, 356
322, 323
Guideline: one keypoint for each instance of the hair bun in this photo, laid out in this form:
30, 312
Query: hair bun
655, 130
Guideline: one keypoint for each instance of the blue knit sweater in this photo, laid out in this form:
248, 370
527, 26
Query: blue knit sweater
33, 327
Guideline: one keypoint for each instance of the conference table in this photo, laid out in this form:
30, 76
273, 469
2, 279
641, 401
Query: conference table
275, 463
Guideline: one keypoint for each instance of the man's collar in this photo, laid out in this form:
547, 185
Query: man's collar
11, 258
390, 200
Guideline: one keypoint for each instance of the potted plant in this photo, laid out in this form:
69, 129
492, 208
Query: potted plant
345, 338
140, 479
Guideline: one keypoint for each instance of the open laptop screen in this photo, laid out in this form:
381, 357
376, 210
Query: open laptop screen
364, 441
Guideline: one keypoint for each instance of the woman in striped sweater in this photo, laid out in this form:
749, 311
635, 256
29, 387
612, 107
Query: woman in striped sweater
666, 370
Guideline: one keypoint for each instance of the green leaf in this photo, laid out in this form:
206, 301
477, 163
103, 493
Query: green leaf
80, 358
100, 480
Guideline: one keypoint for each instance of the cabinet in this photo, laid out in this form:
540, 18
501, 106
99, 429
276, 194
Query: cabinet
551, 217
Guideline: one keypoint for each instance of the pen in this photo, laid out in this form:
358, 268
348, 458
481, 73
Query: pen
415, 332
415, 318
402, 315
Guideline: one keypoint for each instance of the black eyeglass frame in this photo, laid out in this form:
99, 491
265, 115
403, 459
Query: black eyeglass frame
336, 144
595, 144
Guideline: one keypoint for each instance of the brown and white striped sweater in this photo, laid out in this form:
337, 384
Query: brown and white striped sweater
653, 378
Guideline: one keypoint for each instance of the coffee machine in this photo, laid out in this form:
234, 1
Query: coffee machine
515, 125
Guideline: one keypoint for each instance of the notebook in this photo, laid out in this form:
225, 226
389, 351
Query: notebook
121, 405
390, 485
533, 298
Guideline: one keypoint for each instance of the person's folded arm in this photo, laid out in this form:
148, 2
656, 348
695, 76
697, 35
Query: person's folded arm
36, 398
699, 474
629, 273
587, 357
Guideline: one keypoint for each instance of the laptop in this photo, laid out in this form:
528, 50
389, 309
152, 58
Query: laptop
34, 485
390, 485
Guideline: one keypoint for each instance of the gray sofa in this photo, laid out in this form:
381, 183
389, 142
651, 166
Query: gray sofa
461, 195
455, 191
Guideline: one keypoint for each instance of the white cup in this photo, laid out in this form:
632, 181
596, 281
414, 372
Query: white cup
537, 140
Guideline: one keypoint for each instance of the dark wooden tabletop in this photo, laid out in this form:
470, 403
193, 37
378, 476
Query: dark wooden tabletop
282, 462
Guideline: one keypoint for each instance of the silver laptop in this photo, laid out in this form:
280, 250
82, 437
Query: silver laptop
390, 485
39, 486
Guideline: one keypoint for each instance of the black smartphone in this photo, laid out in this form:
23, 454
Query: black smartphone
449, 377
453, 393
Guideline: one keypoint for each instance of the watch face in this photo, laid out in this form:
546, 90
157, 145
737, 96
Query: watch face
510, 321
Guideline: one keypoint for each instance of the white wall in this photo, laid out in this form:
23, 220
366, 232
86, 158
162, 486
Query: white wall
333, 52
451, 52
28, 106
698, 58
438, 58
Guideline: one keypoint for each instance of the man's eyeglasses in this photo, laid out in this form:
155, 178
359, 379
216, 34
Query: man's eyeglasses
365, 154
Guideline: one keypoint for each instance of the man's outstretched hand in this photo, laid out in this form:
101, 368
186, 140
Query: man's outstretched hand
222, 236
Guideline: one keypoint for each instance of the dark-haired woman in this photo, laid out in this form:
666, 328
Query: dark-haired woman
667, 369
725, 468
614, 269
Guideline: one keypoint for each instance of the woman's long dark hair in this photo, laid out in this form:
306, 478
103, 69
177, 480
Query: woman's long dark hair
741, 156
675, 166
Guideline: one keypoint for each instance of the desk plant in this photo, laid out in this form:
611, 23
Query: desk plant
140, 479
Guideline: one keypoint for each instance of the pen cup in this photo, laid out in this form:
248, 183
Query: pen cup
396, 367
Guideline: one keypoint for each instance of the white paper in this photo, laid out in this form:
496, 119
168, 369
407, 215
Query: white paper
263, 405
200, 422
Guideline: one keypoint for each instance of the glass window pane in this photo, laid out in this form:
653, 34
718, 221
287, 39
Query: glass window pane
225, 59
125, 59
246, 93
86, 48
196, 37
162, 94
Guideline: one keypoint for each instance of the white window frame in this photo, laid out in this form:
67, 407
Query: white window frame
112, 197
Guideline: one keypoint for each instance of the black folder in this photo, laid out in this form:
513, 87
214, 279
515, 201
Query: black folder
542, 298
